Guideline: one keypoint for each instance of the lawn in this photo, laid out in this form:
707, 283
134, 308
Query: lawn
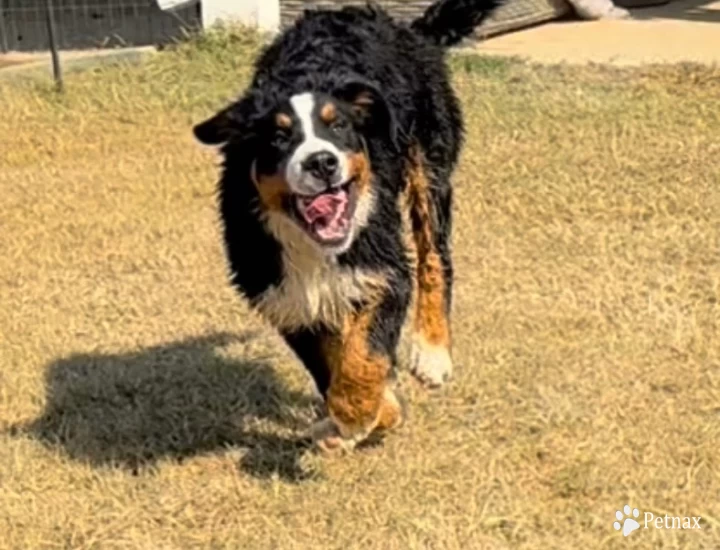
10, 61
142, 406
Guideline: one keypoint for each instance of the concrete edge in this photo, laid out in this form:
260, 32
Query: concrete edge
77, 62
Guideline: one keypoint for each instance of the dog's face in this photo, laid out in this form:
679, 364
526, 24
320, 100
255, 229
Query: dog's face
310, 165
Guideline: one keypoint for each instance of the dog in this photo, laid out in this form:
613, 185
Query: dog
336, 201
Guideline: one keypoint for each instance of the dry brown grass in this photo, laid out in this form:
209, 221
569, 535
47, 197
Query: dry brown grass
10, 61
143, 407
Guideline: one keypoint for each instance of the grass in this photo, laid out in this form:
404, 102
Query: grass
142, 406
10, 62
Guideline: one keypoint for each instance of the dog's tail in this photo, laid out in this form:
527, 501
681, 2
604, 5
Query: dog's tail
447, 22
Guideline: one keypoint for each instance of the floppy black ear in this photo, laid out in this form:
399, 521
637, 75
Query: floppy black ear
374, 113
215, 130
235, 121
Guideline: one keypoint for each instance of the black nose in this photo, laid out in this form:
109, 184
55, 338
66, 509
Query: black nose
322, 165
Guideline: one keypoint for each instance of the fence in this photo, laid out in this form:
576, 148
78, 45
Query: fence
512, 14
82, 24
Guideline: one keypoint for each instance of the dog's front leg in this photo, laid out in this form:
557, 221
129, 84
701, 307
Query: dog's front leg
361, 355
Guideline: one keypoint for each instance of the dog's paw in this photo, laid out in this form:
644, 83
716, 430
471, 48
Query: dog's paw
430, 364
319, 409
328, 440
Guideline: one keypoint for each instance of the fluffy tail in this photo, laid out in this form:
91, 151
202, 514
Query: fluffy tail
447, 22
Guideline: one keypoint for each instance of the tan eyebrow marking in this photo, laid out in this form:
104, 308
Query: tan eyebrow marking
328, 113
283, 120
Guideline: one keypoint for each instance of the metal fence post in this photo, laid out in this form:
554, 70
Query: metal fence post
57, 68
3, 31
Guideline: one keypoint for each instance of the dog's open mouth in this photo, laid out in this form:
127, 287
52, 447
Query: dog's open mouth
327, 216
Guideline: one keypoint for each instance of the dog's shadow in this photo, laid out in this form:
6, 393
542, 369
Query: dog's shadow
171, 402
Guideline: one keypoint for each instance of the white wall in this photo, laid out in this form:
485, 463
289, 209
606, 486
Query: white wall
264, 14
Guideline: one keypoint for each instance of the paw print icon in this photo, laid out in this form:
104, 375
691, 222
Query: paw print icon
628, 524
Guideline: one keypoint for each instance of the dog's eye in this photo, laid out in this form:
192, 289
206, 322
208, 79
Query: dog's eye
339, 125
281, 139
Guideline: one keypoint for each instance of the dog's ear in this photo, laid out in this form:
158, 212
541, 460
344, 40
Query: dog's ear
372, 110
216, 130
232, 122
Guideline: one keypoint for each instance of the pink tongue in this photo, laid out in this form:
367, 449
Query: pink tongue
324, 207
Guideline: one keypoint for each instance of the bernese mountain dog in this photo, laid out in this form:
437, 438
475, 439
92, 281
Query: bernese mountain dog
335, 198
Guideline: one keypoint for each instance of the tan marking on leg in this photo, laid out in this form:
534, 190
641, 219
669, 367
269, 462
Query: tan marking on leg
357, 376
359, 399
430, 358
327, 435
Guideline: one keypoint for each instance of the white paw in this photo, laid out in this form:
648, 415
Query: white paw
328, 440
430, 364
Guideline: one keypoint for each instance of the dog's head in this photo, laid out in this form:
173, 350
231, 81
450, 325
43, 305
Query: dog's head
310, 161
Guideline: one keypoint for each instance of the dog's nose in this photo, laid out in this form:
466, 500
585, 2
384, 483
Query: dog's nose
322, 165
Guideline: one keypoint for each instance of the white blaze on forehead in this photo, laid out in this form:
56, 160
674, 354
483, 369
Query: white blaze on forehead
304, 107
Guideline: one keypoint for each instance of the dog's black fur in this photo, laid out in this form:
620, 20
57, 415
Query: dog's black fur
412, 119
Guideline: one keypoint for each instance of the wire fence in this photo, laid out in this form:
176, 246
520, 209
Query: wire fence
82, 24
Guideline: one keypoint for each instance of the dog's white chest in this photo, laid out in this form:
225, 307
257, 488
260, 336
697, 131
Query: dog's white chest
314, 290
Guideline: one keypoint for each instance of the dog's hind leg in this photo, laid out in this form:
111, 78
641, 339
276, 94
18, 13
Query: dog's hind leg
430, 201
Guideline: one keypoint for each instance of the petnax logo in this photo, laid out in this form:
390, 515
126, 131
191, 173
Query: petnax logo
629, 521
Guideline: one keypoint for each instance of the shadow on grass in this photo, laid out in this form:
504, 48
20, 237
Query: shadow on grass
172, 401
